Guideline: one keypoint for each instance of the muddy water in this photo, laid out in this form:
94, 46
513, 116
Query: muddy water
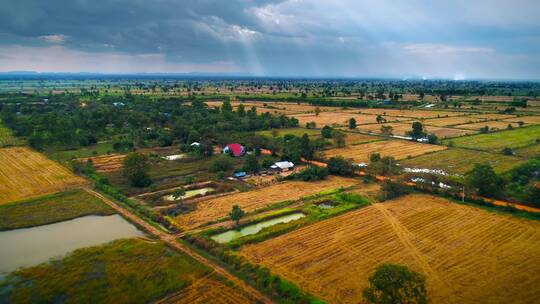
31, 246
190, 193
255, 228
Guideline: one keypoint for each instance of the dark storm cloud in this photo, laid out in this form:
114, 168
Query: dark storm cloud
483, 38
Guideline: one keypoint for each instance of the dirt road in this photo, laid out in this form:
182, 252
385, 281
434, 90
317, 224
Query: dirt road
172, 241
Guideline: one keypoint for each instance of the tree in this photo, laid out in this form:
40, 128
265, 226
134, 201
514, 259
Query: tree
433, 139
417, 131
484, 180
251, 164
393, 190
311, 125
241, 110
340, 166
352, 123
311, 173
380, 119
339, 138
237, 214
317, 111
508, 151
226, 107
177, 194
396, 284
136, 168
387, 130
326, 132
221, 163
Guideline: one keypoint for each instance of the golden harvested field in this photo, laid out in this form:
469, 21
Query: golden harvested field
411, 113
209, 289
399, 149
340, 118
284, 107
352, 138
468, 255
25, 173
493, 116
451, 121
106, 163
525, 119
493, 125
401, 129
218, 208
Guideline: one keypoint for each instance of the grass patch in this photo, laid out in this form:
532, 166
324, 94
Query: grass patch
529, 152
51, 209
292, 131
98, 149
515, 138
7, 138
123, 271
459, 161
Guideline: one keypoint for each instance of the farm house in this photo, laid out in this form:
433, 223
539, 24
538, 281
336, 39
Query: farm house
282, 166
235, 150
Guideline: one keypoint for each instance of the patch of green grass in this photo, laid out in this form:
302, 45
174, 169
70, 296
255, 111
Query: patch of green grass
529, 152
342, 201
7, 139
460, 161
98, 149
51, 209
292, 131
495, 142
123, 271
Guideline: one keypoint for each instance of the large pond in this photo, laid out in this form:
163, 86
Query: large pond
230, 235
190, 193
32, 246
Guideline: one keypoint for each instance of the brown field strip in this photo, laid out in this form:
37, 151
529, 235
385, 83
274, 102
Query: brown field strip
401, 129
106, 163
494, 124
340, 118
208, 290
215, 209
399, 149
493, 116
526, 119
468, 255
25, 173
411, 113
451, 121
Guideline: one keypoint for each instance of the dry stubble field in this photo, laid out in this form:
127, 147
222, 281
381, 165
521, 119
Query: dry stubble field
215, 209
340, 118
468, 255
25, 173
399, 149
208, 289
411, 113
401, 129
106, 163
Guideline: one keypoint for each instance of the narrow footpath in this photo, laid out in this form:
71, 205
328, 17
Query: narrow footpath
171, 239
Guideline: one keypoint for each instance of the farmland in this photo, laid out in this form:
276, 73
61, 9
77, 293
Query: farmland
515, 138
106, 163
127, 271
50, 209
452, 121
291, 131
215, 209
6, 137
340, 118
399, 149
25, 173
460, 161
529, 152
209, 289
465, 252
419, 114
525, 119
492, 125
401, 129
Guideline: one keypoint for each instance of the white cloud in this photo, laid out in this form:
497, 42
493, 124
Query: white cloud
60, 59
438, 49
56, 38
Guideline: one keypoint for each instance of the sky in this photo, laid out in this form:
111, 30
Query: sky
456, 39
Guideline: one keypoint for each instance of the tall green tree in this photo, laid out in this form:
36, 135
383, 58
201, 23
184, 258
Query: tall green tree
352, 123
136, 169
237, 214
396, 284
417, 131
484, 180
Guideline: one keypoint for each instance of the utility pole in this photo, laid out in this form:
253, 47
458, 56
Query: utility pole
463, 194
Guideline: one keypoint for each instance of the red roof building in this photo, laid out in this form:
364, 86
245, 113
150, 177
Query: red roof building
236, 150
